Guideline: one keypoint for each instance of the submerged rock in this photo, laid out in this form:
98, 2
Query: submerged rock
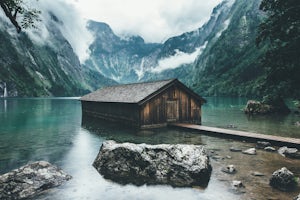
235, 149
251, 151
177, 165
230, 169
238, 187
255, 173
30, 180
270, 149
237, 184
262, 144
231, 126
283, 179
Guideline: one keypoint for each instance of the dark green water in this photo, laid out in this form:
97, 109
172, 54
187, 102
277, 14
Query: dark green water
51, 130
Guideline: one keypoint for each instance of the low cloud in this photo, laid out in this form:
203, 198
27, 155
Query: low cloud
73, 26
154, 20
177, 60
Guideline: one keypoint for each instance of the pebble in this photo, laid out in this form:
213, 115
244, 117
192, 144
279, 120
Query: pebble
251, 151
270, 149
230, 169
235, 149
257, 174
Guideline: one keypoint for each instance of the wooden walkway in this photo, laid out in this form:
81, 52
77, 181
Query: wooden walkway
242, 135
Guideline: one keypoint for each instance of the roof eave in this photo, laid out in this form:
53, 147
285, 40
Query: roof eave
173, 82
154, 94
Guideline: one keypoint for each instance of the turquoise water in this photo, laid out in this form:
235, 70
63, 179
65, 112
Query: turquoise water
224, 111
50, 129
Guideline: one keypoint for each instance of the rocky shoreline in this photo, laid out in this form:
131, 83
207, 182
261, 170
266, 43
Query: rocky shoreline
283, 180
240, 178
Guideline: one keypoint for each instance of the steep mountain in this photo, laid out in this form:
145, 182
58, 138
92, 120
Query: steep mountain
115, 57
190, 41
32, 65
230, 65
178, 54
219, 58
131, 59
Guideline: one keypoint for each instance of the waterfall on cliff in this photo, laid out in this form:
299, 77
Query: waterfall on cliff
5, 91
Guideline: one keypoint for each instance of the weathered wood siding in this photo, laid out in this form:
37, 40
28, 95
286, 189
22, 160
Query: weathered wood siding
172, 105
121, 112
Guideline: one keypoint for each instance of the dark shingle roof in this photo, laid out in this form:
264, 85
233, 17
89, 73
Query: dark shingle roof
128, 93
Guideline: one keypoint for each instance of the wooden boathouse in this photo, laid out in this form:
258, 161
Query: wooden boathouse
145, 105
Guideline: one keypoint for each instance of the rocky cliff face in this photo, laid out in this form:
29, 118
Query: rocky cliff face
131, 59
229, 65
219, 58
43, 63
118, 58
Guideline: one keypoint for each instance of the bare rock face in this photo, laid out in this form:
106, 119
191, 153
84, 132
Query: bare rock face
283, 180
177, 165
30, 180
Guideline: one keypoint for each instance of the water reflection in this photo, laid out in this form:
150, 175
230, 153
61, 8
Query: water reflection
225, 111
50, 129
5, 105
113, 131
34, 129
88, 184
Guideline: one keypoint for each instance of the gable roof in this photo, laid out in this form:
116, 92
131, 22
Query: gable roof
132, 93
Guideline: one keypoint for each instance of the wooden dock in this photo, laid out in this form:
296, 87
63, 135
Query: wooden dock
241, 135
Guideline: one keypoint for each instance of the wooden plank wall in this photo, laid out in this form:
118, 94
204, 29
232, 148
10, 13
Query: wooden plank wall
156, 110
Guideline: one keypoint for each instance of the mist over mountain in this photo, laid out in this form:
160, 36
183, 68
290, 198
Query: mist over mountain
43, 62
69, 56
219, 58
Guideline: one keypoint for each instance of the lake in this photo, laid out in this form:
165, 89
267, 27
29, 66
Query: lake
50, 129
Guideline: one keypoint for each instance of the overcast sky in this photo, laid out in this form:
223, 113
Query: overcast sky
154, 20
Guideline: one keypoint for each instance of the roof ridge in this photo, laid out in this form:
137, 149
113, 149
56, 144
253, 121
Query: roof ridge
127, 93
138, 83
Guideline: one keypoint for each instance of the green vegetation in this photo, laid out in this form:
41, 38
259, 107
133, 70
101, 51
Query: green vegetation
256, 56
281, 31
230, 66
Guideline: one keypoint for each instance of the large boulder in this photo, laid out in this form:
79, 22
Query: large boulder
270, 104
257, 107
30, 180
177, 165
283, 180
